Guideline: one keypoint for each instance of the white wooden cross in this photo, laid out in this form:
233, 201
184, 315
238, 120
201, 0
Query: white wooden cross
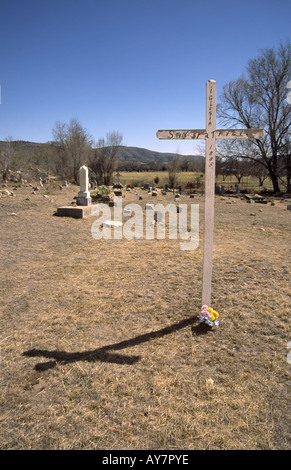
210, 134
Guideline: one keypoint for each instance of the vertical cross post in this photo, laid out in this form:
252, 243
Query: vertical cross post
210, 134
209, 190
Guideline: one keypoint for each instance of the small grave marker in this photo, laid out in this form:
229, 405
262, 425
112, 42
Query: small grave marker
118, 175
210, 134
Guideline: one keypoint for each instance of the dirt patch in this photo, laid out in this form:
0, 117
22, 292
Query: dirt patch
100, 343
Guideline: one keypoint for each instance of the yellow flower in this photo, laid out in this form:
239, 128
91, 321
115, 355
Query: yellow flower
214, 314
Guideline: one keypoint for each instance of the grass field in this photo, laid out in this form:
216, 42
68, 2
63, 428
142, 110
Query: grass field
100, 344
138, 178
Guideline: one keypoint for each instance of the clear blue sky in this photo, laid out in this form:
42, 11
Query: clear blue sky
133, 66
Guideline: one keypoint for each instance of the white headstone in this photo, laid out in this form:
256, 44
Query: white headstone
84, 198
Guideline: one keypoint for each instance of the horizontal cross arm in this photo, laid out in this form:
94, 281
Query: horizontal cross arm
239, 134
182, 134
218, 134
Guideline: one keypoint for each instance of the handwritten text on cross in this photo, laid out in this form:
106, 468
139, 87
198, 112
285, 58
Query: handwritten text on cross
218, 134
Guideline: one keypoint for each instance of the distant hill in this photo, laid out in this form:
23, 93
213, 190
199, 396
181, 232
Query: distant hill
146, 156
23, 144
125, 153
32, 160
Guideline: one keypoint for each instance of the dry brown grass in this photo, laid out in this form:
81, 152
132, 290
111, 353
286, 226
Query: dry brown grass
100, 345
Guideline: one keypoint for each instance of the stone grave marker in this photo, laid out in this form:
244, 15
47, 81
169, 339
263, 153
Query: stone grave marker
84, 198
84, 202
118, 175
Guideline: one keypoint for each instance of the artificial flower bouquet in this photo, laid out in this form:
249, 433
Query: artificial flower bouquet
208, 316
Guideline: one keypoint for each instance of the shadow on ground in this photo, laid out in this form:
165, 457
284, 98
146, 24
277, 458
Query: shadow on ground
104, 353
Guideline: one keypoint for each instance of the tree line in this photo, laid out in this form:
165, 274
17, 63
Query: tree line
257, 99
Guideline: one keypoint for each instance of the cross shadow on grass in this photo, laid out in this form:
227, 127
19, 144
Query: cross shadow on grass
105, 354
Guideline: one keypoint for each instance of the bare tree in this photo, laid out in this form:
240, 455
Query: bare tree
104, 159
73, 145
59, 135
259, 171
285, 164
230, 161
7, 157
259, 100
173, 168
186, 161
